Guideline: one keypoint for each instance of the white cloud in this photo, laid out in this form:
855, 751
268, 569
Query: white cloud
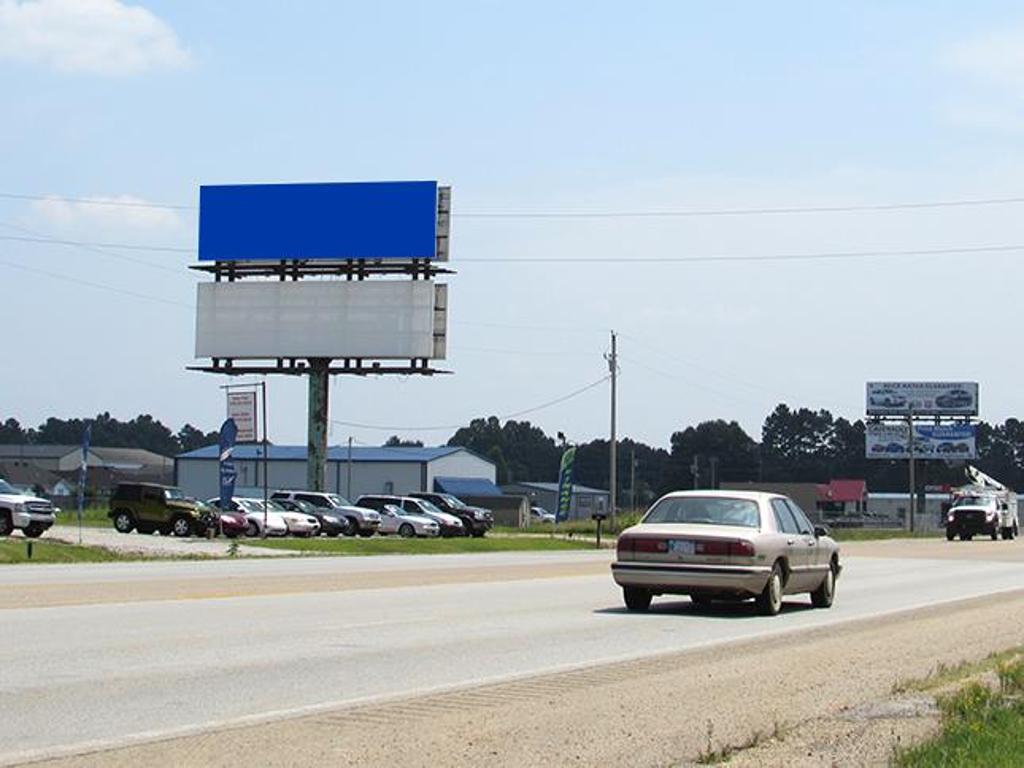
988, 92
120, 213
105, 37
997, 57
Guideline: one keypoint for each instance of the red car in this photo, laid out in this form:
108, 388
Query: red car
232, 523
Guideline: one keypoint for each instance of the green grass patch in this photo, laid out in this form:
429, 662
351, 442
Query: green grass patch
380, 545
15, 550
92, 517
579, 527
980, 726
944, 674
876, 534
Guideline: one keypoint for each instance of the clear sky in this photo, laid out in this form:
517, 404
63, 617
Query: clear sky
531, 106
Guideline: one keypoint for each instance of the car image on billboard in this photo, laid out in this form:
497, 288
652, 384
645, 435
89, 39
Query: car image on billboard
921, 398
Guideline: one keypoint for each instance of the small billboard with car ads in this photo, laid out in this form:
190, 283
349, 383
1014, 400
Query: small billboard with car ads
931, 441
922, 398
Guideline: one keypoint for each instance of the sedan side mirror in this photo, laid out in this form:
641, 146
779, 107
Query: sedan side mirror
821, 530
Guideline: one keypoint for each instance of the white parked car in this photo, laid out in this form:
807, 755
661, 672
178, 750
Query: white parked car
360, 520
395, 520
541, 515
299, 523
262, 522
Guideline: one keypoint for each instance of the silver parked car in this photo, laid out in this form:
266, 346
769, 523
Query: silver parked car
395, 520
726, 545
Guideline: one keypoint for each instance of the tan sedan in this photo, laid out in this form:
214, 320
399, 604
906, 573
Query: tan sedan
726, 545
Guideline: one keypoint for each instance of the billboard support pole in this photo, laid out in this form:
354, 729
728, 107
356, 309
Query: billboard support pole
316, 448
910, 454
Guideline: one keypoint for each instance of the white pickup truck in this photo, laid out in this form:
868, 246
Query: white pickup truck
30, 514
983, 507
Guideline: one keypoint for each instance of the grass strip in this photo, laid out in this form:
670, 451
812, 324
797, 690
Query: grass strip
980, 726
944, 675
380, 545
14, 551
875, 534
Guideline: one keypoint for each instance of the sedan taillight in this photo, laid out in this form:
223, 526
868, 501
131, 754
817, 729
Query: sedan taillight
725, 548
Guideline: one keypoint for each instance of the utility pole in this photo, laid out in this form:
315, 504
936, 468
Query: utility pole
713, 461
695, 470
613, 368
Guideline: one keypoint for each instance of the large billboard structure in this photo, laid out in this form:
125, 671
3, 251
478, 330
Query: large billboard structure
376, 220
321, 279
922, 398
915, 420
931, 441
378, 319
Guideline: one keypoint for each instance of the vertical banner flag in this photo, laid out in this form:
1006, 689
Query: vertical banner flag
565, 485
228, 473
86, 439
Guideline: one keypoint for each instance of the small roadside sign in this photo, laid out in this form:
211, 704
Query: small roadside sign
242, 408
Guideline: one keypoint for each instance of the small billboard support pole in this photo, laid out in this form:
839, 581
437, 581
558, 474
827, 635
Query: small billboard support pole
348, 471
910, 455
316, 453
266, 451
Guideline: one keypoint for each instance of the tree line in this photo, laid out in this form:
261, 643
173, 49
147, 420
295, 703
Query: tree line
796, 445
141, 432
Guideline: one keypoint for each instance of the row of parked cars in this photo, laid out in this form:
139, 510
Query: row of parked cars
151, 508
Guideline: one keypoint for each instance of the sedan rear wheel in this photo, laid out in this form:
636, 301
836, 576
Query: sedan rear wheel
636, 599
252, 530
769, 602
406, 531
823, 596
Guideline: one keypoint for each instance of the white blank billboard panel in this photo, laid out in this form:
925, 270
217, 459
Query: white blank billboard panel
382, 319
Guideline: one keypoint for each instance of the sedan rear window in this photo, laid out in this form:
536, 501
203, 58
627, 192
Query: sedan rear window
705, 511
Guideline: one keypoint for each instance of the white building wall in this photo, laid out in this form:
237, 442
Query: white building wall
461, 464
200, 477
399, 477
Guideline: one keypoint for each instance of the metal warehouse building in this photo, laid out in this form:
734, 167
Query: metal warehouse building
350, 472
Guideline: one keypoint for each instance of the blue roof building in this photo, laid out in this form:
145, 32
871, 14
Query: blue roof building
349, 472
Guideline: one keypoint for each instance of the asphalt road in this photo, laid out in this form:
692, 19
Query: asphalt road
102, 672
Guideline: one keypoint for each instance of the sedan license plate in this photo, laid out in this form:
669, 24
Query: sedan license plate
681, 546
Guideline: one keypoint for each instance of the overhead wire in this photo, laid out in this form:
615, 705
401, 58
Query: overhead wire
439, 427
720, 259
696, 212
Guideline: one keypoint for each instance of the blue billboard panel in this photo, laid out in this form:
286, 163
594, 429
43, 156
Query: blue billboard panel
366, 220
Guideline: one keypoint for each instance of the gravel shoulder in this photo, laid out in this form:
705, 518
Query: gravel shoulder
156, 545
665, 710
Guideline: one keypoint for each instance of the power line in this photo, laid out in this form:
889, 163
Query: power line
812, 256
820, 256
396, 428
95, 201
100, 286
90, 244
39, 237
696, 212
766, 211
